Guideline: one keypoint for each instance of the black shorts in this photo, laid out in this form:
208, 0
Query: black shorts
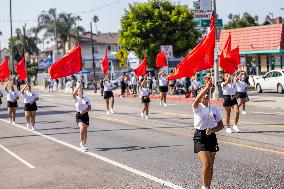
12, 104
163, 89
203, 142
145, 99
82, 118
228, 101
108, 94
242, 95
30, 107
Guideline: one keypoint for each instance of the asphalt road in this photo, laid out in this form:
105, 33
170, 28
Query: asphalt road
126, 151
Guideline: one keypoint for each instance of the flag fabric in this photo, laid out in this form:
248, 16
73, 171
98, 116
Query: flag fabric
21, 69
69, 64
229, 59
200, 58
161, 60
4, 70
141, 70
105, 63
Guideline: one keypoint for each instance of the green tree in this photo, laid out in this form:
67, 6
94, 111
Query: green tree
25, 41
147, 26
246, 20
64, 25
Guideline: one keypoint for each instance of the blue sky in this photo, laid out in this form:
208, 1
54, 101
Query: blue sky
110, 11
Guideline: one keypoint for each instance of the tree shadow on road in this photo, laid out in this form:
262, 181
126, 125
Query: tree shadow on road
134, 148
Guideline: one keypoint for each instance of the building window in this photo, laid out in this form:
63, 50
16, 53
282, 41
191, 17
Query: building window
110, 48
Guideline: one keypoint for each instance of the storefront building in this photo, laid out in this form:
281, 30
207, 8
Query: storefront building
261, 47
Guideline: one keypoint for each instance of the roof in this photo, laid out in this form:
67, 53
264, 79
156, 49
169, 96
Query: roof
258, 39
100, 38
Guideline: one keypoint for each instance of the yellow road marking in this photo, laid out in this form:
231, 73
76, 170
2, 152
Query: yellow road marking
190, 135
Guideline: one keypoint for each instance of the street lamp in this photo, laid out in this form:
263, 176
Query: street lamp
95, 20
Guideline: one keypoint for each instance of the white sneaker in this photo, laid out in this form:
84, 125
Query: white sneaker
14, 123
229, 130
244, 112
236, 129
111, 111
142, 114
146, 117
10, 121
107, 113
33, 129
165, 105
160, 103
204, 187
28, 125
85, 148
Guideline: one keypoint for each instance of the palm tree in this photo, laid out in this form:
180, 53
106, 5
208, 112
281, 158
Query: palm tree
62, 26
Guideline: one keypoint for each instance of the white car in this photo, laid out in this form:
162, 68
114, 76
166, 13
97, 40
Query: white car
271, 81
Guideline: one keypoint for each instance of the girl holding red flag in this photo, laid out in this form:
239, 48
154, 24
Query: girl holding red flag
145, 98
163, 87
108, 94
83, 106
12, 98
230, 101
30, 99
205, 140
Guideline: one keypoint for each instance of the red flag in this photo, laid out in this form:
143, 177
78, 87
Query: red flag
161, 60
200, 58
229, 59
21, 69
4, 70
105, 63
69, 64
141, 70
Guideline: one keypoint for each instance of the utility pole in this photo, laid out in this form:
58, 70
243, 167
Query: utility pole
216, 67
11, 30
93, 52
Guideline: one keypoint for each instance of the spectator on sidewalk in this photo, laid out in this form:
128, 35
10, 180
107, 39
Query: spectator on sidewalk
195, 86
133, 82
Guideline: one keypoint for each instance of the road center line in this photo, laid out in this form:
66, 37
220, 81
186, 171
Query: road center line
17, 157
190, 135
107, 160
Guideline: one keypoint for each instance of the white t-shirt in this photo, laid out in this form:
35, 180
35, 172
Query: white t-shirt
133, 80
29, 96
241, 86
81, 104
201, 120
229, 89
108, 86
12, 96
195, 84
163, 81
145, 91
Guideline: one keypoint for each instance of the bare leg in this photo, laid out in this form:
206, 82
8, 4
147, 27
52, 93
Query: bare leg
33, 114
10, 113
14, 113
165, 98
207, 167
82, 133
212, 155
112, 102
107, 104
237, 114
228, 114
147, 108
28, 117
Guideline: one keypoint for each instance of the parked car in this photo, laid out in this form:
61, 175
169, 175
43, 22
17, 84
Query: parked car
271, 81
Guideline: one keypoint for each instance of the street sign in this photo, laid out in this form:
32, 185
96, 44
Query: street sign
122, 64
205, 5
206, 23
121, 55
168, 50
202, 16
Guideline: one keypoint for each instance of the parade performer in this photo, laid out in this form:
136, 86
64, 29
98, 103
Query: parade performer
145, 98
205, 141
12, 98
230, 101
30, 99
163, 87
242, 88
83, 106
108, 94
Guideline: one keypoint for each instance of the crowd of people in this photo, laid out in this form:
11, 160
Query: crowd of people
207, 118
